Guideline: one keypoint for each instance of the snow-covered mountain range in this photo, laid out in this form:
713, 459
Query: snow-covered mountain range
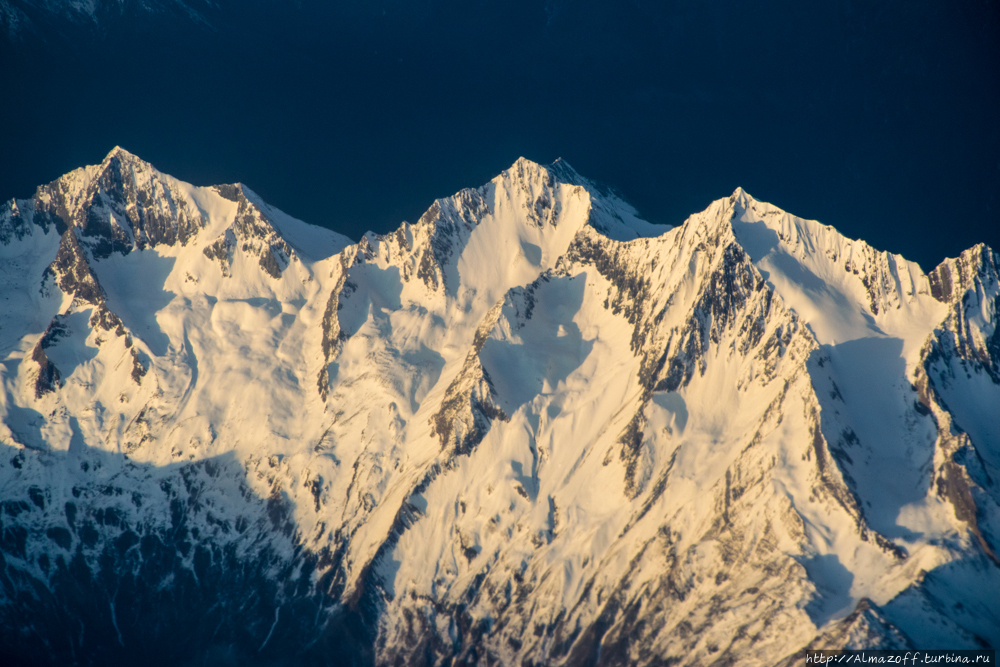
530, 428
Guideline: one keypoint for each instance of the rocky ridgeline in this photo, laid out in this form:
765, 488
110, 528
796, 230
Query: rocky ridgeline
529, 428
252, 233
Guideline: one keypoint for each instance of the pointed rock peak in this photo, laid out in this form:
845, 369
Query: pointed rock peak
524, 169
565, 173
240, 193
559, 170
230, 191
610, 214
119, 152
252, 197
560, 163
120, 166
524, 163
952, 277
982, 258
254, 216
741, 198
122, 156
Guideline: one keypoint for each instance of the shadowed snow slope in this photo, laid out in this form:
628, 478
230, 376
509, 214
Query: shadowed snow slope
530, 428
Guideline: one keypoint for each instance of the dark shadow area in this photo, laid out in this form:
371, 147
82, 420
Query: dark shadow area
271, 306
833, 588
107, 562
529, 483
880, 437
973, 399
673, 403
77, 450
368, 285
551, 345
68, 349
532, 253
134, 286
756, 238
425, 367
955, 605
800, 275
25, 425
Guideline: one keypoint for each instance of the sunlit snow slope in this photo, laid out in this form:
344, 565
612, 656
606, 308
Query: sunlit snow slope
530, 428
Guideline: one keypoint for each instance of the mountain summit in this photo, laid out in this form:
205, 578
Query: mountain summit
530, 428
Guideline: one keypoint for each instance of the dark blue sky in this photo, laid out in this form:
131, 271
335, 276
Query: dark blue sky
880, 118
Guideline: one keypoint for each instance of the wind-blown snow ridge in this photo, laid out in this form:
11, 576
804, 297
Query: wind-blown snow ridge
529, 428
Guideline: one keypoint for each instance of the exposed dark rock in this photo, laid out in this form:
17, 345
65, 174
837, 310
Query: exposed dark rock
469, 405
74, 273
117, 589
139, 369
16, 218
49, 378
251, 233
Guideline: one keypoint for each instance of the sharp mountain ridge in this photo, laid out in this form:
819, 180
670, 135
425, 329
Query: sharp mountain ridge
529, 428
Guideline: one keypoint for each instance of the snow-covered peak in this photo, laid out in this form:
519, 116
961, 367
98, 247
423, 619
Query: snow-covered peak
125, 203
122, 164
976, 269
968, 342
843, 288
121, 204
610, 214
272, 236
483, 241
882, 323
513, 429
565, 172
122, 154
740, 195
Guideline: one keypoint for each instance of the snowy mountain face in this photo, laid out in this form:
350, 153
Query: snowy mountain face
530, 428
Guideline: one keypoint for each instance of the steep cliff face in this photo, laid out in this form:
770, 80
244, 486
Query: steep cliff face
889, 336
529, 428
963, 356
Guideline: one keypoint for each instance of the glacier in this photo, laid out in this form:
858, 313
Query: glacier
529, 428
